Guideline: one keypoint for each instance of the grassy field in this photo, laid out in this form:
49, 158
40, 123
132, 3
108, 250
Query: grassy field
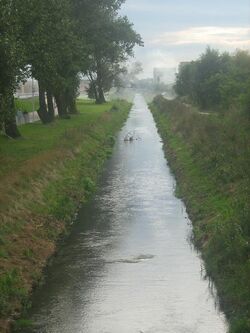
26, 104
44, 177
37, 138
210, 156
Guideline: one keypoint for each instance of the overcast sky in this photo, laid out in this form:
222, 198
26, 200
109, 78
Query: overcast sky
180, 30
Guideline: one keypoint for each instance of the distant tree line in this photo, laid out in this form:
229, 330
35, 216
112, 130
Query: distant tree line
216, 80
57, 41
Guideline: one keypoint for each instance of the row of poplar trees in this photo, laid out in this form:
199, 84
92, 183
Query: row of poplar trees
57, 41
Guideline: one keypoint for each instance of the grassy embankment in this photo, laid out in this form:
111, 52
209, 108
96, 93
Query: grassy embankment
210, 156
26, 104
45, 176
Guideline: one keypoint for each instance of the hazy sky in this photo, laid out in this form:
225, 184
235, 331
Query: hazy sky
180, 30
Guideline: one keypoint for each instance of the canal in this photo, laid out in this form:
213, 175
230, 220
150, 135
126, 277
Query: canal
128, 266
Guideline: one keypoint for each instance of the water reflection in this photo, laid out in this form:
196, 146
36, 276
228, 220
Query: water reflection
128, 266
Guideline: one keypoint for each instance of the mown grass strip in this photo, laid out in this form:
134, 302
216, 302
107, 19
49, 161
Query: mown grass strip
27, 104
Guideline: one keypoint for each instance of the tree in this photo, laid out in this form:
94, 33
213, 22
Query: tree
129, 76
53, 53
54, 41
12, 68
216, 81
209, 65
235, 86
186, 80
110, 41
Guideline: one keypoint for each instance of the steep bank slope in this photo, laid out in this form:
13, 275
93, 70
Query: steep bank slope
210, 156
45, 176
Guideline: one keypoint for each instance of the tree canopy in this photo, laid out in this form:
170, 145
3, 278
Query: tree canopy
111, 41
57, 41
12, 63
216, 81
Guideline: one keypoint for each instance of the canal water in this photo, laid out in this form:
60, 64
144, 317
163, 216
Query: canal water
128, 266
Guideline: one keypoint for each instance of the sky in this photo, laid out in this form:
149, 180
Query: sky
180, 30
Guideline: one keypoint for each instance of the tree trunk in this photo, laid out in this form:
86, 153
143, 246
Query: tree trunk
10, 125
72, 105
51, 110
61, 106
11, 129
101, 97
93, 87
95, 92
42, 111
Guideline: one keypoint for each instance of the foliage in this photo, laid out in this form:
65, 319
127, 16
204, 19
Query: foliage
10, 289
22, 325
12, 61
111, 40
49, 174
56, 41
210, 155
216, 81
26, 105
52, 51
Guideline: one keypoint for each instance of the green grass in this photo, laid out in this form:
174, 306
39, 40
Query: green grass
26, 104
10, 289
44, 177
210, 157
23, 325
37, 138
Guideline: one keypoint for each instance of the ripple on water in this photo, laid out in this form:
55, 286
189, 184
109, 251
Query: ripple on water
128, 267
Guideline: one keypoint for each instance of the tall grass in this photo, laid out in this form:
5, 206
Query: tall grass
210, 155
44, 177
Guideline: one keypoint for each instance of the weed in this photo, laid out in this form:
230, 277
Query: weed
210, 156
23, 325
44, 179
28, 253
4, 254
89, 185
10, 289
